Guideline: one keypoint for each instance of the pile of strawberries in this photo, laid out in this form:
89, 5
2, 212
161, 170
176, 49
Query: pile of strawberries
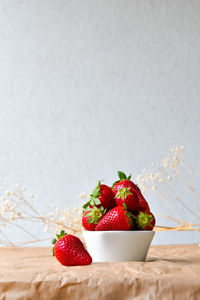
121, 207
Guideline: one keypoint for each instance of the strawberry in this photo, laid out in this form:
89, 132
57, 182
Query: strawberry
117, 218
145, 220
128, 192
124, 191
70, 251
102, 195
143, 205
92, 216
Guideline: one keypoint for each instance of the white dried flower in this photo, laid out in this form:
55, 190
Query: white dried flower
46, 228
82, 195
11, 216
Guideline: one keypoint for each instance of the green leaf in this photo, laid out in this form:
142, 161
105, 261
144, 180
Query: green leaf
97, 201
129, 177
86, 205
96, 192
90, 220
101, 208
59, 236
121, 175
88, 209
62, 234
124, 205
123, 193
92, 202
88, 214
114, 184
132, 215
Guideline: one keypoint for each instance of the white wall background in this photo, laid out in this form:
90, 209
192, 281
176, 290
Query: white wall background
90, 87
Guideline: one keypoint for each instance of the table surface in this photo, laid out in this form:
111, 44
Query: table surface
170, 272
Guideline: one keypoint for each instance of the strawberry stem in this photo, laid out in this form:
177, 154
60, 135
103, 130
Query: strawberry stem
94, 200
59, 236
143, 220
123, 193
129, 215
122, 176
95, 214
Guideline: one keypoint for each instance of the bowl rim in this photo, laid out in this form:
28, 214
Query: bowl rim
119, 231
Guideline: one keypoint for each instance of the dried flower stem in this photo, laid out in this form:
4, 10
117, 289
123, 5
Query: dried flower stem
160, 182
178, 218
180, 201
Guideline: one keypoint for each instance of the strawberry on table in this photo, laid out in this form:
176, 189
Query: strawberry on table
70, 251
145, 220
102, 195
91, 217
117, 218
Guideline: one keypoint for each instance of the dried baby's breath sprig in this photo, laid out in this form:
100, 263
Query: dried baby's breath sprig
68, 219
162, 179
16, 211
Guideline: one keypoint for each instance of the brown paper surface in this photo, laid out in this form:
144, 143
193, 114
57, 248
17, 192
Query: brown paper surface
170, 272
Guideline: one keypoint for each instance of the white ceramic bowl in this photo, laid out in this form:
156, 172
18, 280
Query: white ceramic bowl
115, 246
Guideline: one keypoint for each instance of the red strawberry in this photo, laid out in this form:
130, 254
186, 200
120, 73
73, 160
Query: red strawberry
143, 205
124, 193
106, 196
145, 220
117, 218
92, 216
70, 251
122, 190
101, 195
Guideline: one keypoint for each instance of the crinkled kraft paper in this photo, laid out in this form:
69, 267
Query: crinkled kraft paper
170, 272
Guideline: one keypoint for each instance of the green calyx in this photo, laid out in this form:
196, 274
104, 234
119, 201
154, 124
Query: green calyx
95, 214
123, 193
129, 215
122, 176
143, 220
94, 200
59, 236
